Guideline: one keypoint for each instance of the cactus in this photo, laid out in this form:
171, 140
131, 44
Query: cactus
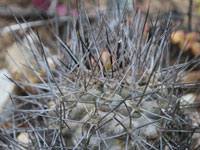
76, 105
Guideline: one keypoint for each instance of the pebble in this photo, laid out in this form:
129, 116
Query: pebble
187, 99
6, 88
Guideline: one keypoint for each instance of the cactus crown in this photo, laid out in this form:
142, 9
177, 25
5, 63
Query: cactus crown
78, 103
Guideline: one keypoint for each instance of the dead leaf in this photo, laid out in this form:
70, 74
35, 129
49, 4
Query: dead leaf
192, 77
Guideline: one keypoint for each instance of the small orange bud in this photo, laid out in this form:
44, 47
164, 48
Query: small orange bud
177, 37
105, 60
190, 38
196, 48
94, 62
